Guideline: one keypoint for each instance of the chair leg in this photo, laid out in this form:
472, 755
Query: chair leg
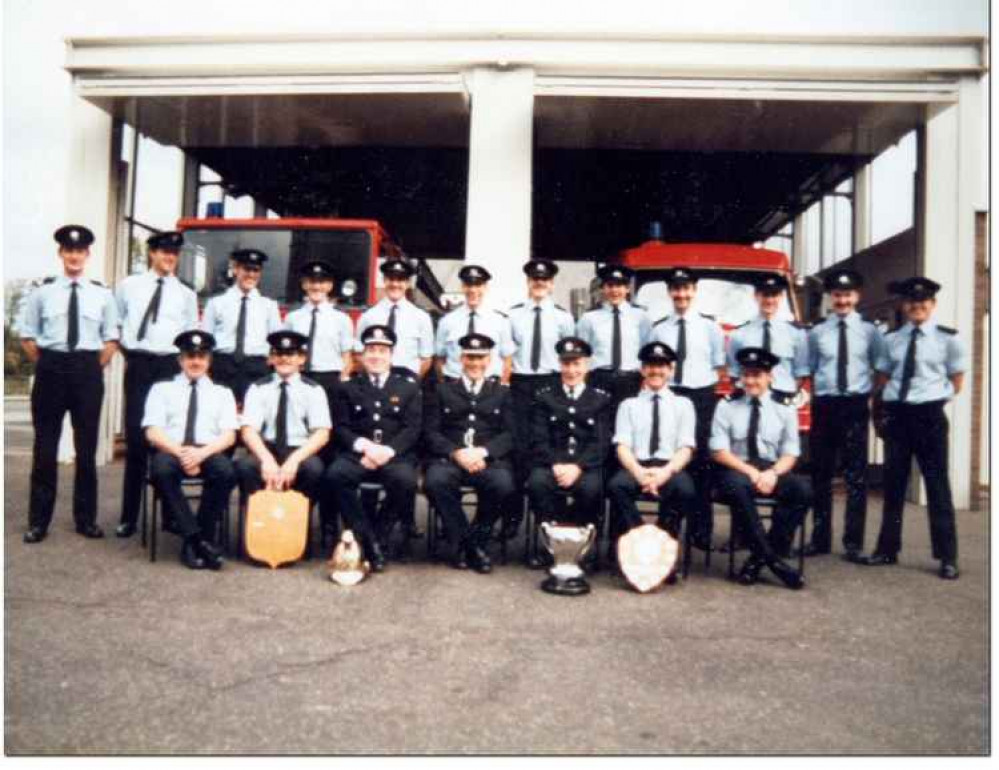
240, 540
731, 546
801, 549
144, 511
153, 526
687, 538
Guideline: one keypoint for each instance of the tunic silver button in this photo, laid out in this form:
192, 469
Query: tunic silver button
572, 410
471, 418
377, 417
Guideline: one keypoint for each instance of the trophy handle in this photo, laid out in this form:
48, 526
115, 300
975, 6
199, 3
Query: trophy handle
546, 537
591, 536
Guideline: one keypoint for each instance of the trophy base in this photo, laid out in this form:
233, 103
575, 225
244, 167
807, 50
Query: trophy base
565, 586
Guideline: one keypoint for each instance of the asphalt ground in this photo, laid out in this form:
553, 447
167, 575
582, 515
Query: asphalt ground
106, 653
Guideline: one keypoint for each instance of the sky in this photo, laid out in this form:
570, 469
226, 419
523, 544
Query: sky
37, 91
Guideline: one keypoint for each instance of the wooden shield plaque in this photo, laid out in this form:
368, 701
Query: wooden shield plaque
647, 555
277, 525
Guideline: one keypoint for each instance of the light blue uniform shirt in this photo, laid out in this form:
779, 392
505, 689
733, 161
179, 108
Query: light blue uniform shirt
787, 342
777, 435
178, 312
597, 328
705, 346
167, 403
677, 424
864, 345
334, 334
556, 323
44, 315
939, 355
413, 328
308, 409
222, 316
454, 326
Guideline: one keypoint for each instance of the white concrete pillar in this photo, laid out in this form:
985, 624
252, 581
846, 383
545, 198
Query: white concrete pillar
799, 245
862, 198
498, 225
91, 200
954, 161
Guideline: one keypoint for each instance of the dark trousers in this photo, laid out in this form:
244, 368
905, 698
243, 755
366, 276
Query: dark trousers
548, 498
701, 467
238, 375
340, 487
523, 389
839, 433
493, 487
330, 383
142, 371
65, 382
219, 477
918, 430
793, 495
307, 481
617, 383
677, 498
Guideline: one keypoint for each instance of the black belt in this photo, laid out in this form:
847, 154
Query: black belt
220, 354
66, 354
405, 371
842, 399
783, 393
907, 407
683, 390
617, 372
653, 463
533, 376
147, 355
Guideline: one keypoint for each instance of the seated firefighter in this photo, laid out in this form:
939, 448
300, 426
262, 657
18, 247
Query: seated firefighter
570, 436
655, 439
754, 438
190, 422
286, 422
469, 432
377, 424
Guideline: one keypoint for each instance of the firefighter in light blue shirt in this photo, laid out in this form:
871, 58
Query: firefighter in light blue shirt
616, 331
240, 320
700, 351
921, 368
843, 351
754, 438
69, 327
414, 348
473, 318
154, 308
785, 339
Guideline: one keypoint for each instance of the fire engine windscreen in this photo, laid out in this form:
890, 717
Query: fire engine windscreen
205, 260
729, 299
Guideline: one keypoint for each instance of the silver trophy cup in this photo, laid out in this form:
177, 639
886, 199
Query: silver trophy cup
567, 545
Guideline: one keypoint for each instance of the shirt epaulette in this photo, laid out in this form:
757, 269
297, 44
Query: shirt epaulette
50, 279
947, 329
310, 382
661, 320
709, 317
263, 380
519, 304
500, 312
800, 325
97, 283
782, 398
739, 326
640, 307
559, 307
735, 395
601, 392
544, 391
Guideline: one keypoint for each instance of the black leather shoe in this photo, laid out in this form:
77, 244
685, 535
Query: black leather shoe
949, 570
853, 555
376, 557
478, 560
878, 559
511, 526
811, 549
787, 574
189, 556
701, 542
91, 531
458, 559
35, 535
211, 557
124, 530
540, 560
750, 572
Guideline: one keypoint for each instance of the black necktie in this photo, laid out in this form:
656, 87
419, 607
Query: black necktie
152, 311
312, 339
841, 360
909, 367
654, 438
616, 340
681, 351
536, 341
766, 336
391, 320
754, 431
192, 414
281, 427
241, 330
471, 323
73, 336
376, 381
572, 393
